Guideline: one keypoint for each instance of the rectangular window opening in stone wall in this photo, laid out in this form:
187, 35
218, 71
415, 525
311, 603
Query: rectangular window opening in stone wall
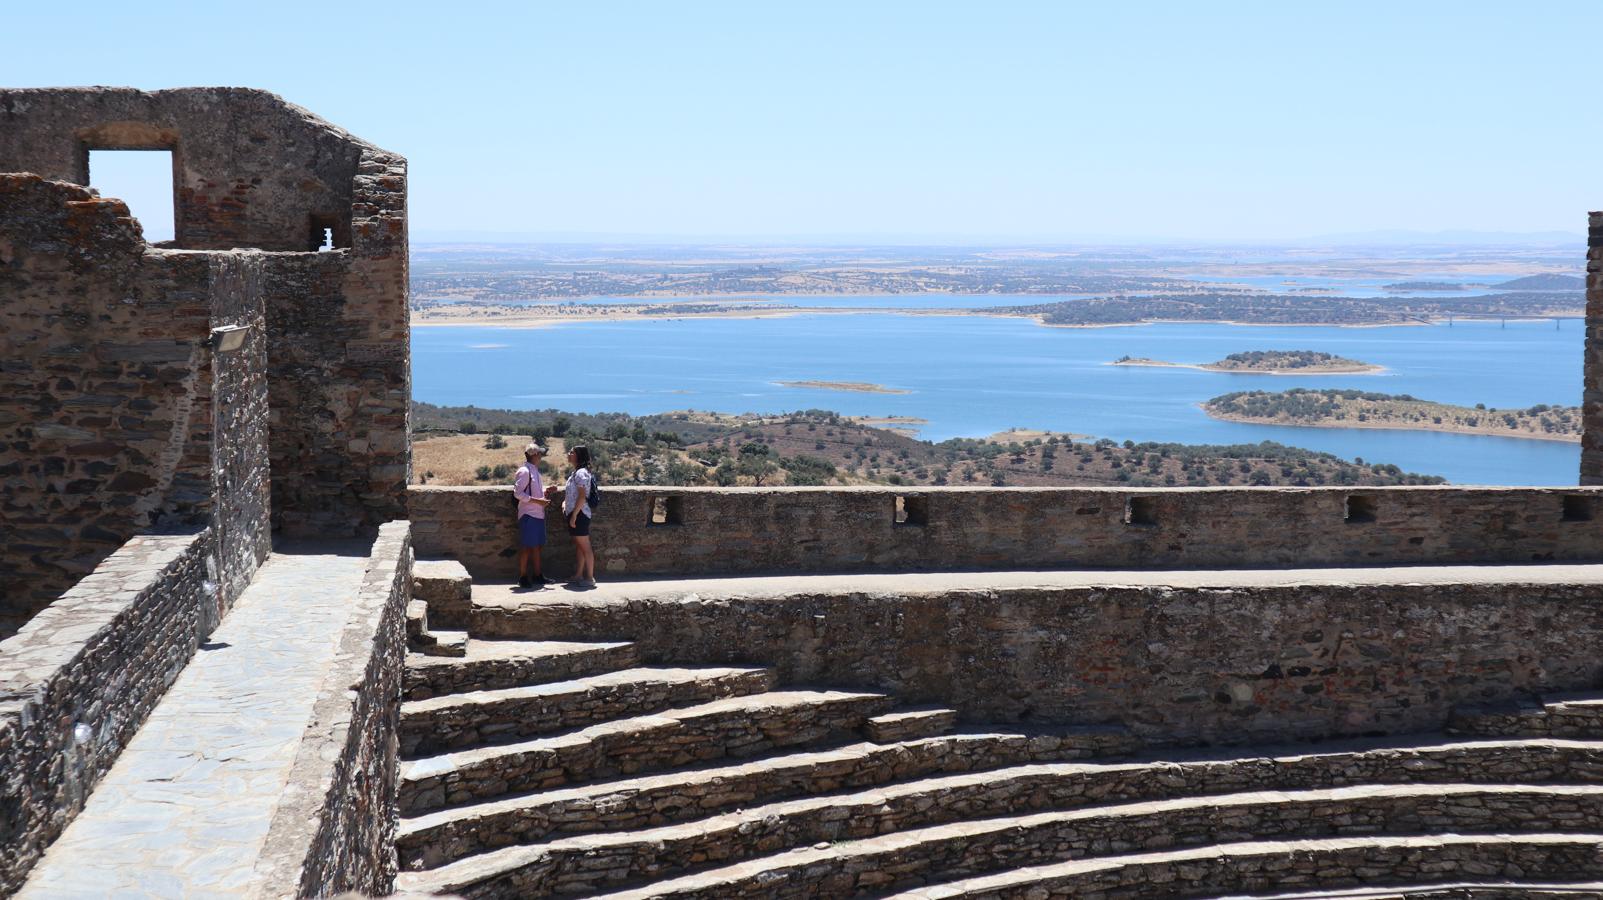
142, 179
1141, 511
667, 510
1577, 508
911, 510
1358, 509
326, 233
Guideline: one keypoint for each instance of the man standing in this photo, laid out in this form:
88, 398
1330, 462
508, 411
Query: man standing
531, 517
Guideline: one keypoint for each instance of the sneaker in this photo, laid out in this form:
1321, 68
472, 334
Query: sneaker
538, 581
524, 581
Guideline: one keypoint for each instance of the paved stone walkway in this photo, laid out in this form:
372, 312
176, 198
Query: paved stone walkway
692, 589
187, 806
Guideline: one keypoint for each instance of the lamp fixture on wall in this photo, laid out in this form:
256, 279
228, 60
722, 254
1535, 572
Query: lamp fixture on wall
227, 338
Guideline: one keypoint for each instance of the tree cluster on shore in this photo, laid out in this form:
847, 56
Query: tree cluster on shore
1290, 309
819, 447
1311, 406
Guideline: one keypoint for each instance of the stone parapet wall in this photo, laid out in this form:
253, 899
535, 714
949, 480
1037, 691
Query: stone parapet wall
724, 531
78, 680
335, 829
1214, 664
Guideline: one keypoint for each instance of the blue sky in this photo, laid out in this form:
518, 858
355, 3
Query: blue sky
991, 121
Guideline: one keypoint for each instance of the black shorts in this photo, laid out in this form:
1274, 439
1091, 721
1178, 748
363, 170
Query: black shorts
582, 529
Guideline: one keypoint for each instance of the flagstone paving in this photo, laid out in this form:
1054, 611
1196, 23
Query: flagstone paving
186, 808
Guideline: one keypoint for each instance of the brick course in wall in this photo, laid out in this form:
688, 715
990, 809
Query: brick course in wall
724, 531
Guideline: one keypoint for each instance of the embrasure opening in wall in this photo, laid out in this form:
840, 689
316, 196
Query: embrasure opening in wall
143, 179
667, 510
1141, 511
1577, 508
324, 234
1358, 509
912, 510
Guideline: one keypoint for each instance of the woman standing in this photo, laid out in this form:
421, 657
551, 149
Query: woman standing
576, 507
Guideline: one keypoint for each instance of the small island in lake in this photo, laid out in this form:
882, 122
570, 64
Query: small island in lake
861, 387
1269, 362
1420, 286
1345, 408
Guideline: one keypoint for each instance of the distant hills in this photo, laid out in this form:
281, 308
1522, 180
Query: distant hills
1548, 282
1426, 238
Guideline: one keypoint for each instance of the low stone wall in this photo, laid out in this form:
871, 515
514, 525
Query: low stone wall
1179, 665
335, 829
79, 679
725, 531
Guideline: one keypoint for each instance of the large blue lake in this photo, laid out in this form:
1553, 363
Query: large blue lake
975, 375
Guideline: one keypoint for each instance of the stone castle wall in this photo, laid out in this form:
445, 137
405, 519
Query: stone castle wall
239, 413
340, 370
105, 388
250, 170
726, 531
1232, 663
115, 417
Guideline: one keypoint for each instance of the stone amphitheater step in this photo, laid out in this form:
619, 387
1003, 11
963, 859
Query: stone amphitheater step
454, 721
735, 726
902, 725
1525, 864
445, 586
422, 640
1565, 715
1458, 890
435, 838
991, 838
494, 665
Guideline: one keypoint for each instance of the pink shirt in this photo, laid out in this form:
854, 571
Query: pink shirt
526, 487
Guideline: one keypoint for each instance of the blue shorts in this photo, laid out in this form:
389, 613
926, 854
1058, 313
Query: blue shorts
531, 531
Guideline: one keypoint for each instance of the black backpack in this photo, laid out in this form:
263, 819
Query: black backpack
594, 497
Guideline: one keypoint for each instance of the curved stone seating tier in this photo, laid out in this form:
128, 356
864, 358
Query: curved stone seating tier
1458, 890
1397, 862
976, 843
483, 717
568, 767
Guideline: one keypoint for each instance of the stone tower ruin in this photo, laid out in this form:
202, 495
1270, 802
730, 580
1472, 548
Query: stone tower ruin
117, 415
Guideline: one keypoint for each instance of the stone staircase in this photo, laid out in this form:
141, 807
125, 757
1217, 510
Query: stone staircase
535, 768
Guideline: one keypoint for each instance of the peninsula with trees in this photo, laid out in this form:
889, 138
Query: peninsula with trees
1345, 408
1269, 362
472, 445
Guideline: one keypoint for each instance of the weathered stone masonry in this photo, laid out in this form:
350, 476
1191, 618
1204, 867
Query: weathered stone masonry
335, 829
251, 171
81, 678
121, 419
729, 531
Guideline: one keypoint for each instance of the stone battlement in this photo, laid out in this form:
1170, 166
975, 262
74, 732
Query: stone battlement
649, 531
